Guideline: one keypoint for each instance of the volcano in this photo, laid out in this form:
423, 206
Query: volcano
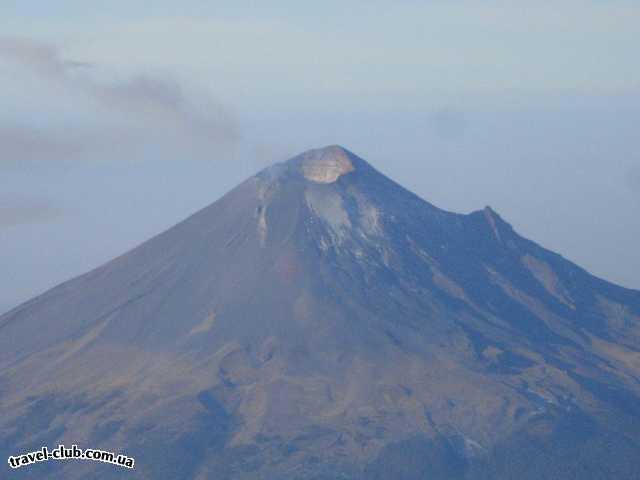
319, 321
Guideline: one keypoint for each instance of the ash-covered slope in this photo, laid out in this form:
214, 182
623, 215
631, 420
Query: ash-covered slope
320, 321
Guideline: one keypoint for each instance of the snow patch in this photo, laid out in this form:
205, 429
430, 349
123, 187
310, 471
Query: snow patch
262, 225
204, 326
472, 448
489, 215
548, 279
369, 215
328, 206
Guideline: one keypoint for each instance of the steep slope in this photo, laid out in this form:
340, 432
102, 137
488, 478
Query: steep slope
320, 321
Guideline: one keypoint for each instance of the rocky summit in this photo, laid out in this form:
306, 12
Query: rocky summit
319, 321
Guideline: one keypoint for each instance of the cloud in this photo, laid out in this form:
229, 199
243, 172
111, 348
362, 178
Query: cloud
41, 57
164, 100
15, 210
24, 143
149, 112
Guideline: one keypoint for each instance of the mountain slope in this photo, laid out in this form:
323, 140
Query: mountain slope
320, 321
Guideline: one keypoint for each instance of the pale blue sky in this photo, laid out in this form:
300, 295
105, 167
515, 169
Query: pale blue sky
120, 119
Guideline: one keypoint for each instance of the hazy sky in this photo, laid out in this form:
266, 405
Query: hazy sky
119, 120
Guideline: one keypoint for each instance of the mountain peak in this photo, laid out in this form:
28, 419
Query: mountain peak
321, 319
327, 164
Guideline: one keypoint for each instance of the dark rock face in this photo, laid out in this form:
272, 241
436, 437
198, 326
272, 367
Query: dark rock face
321, 322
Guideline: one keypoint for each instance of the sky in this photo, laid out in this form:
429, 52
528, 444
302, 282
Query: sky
121, 119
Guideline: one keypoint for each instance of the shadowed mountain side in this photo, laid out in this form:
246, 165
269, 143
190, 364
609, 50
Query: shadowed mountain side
320, 321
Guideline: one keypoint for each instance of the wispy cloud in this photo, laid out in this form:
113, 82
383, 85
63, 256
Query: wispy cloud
42, 57
29, 143
17, 210
149, 110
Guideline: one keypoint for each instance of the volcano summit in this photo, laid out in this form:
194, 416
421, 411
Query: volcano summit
319, 321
